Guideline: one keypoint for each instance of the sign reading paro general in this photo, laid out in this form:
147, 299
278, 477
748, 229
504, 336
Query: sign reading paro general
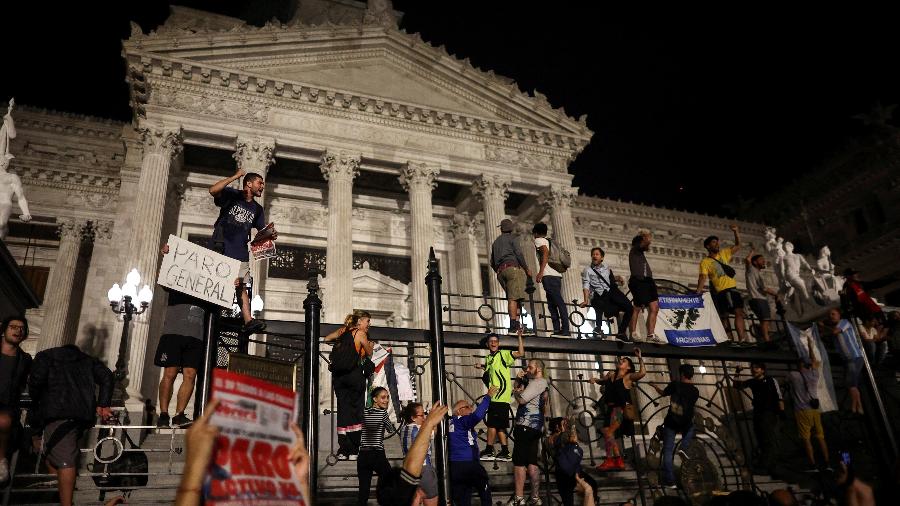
199, 272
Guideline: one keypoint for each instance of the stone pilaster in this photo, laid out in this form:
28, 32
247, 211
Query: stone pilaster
492, 191
339, 169
419, 180
59, 288
160, 146
558, 201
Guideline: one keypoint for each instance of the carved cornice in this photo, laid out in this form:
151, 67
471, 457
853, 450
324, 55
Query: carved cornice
200, 81
244, 36
65, 123
40, 175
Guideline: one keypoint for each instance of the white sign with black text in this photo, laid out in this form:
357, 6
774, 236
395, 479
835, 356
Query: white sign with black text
199, 272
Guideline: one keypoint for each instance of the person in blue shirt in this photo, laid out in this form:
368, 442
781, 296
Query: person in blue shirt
466, 471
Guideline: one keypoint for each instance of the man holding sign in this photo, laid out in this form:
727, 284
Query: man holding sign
239, 213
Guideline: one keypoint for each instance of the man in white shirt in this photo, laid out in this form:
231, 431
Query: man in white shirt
551, 280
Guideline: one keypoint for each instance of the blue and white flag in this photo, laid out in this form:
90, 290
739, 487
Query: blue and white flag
825, 389
688, 320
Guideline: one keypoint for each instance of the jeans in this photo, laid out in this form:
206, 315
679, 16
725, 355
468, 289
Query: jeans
465, 476
668, 456
555, 303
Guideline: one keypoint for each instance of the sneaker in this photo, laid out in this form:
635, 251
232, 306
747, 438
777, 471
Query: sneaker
828, 468
353, 456
342, 456
653, 338
163, 421
534, 501
4, 470
560, 333
526, 331
513, 326
181, 420
623, 338
253, 326
811, 469
504, 456
670, 486
516, 501
487, 454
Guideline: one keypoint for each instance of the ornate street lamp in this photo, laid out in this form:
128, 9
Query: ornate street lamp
120, 301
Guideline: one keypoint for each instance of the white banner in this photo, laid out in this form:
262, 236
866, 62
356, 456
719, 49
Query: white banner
825, 388
199, 272
685, 320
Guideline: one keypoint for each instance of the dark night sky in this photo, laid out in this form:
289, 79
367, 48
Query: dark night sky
689, 108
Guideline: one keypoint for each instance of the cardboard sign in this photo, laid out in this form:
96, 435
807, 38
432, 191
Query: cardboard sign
251, 463
199, 272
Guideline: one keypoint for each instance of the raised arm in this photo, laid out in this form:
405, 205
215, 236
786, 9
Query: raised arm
221, 184
737, 240
521, 351
20, 196
415, 457
336, 333
635, 376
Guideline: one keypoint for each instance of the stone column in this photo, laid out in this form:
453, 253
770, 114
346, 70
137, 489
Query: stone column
160, 146
256, 154
94, 321
419, 180
558, 201
339, 169
492, 191
59, 288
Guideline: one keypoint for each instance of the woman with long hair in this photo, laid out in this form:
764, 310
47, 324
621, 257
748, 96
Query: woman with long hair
351, 347
617, 394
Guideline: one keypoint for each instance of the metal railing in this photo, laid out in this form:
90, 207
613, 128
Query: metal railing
441, 367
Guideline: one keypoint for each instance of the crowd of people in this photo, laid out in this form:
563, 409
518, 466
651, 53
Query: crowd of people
72, 390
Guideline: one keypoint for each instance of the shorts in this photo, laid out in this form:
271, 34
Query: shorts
428, 482
760, 308
643, 291
854, 369
728, 300
175, 350
498, 416
512, 279
525, 452
61, 443
809, 422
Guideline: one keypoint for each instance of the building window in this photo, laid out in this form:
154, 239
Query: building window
485, 281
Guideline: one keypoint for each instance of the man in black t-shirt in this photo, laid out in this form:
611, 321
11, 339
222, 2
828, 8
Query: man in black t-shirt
239, 213
680, 419
768, 408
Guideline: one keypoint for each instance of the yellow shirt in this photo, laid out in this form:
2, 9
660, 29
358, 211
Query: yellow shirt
714, 272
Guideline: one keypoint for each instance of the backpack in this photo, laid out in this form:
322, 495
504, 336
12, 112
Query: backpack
344, 357
559, 258
568, 458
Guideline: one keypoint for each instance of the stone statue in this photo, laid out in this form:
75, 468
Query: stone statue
9, 183
792, 265
775, 248
826, 286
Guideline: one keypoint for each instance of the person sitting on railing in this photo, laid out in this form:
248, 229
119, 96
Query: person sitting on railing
620, 412
371, 452
466, 472
567, 455
414, 416
756, 287
14, 367
601, 291
509, 264
768, 409
680, 418
497, 373
352, 348
531, 394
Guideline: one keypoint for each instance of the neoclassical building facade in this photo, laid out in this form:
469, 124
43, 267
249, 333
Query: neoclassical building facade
375, 145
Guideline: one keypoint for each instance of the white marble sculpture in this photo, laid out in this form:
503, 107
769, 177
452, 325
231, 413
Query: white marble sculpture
826, 286
9, 183
775, 248
793, 263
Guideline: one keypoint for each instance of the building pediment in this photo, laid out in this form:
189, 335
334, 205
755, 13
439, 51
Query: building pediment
370, 60
368, 280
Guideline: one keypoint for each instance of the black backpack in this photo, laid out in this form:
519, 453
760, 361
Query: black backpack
344, 357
